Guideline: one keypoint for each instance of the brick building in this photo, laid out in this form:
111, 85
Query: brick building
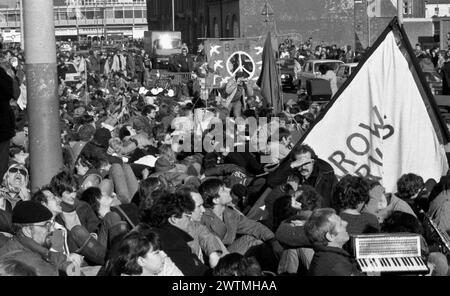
190, 18
328, 20
341, 22
367, 29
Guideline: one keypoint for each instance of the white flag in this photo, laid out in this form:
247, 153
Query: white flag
379, 125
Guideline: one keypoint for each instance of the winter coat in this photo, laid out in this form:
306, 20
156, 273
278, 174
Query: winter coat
233, 224
332, 261
9, 89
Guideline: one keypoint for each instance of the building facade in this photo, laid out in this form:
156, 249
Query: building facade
87, 18
189, 16
437, 8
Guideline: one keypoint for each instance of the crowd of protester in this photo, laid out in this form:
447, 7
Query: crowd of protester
129, 202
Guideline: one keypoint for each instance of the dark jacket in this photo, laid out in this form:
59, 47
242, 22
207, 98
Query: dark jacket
184, 63
332, 261
322, 179
9, 89
27, 251
245, 160
87, 217
174, 244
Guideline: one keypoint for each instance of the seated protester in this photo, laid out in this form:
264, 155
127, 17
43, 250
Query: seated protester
407, 223
281, 146
409, 187
328, 234
140, 254
350, 196
13, 267
227, 223
98, 147
149, 112
74, 211
77, 240
307, 169
115, 220
14, 187
439, 210
204, 241
297, 256
235, 264
146, 187
381, 204
164, 168
170, 217
33, 224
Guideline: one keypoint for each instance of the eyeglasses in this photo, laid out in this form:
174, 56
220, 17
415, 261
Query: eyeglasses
187, 215
49, 225
21, 171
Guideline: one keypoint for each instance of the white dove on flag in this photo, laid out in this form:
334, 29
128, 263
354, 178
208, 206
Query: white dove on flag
214, 49
224, 80
259, 50
218, 64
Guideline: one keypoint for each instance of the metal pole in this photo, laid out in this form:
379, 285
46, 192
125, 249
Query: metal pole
104, 20
22, 39
173, 15
400, 12
42, 82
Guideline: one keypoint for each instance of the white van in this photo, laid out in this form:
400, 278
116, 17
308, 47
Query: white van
72, 74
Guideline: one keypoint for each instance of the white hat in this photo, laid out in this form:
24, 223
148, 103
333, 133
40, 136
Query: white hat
143, 91
154, 91
170, 93
149, 100
160, 90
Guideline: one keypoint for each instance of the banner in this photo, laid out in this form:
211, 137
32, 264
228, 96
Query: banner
383, 122
226, 58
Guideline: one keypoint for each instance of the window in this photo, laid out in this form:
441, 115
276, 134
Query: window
129, 14
216, 28
118, 14
138, 14
235, 27
407, 7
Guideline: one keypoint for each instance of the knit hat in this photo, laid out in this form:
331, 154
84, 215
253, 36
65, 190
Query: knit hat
30, 212
101, 137
163, 165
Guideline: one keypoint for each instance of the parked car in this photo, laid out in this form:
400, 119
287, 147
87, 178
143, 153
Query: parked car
287, 75
311, 70
343, 72
72, 74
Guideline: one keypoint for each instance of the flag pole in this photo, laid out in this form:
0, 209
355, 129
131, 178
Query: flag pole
400, 12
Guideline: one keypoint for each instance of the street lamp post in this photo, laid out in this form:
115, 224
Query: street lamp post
173, 15
42, 83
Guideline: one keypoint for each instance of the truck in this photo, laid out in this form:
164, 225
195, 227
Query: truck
161, 45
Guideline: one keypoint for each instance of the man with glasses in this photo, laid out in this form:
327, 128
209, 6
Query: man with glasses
33, 224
